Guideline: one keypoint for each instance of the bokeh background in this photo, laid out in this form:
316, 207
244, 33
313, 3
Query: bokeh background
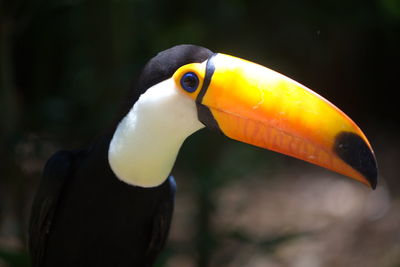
65, 65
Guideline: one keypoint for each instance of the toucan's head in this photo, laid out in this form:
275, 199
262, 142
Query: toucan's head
188, 87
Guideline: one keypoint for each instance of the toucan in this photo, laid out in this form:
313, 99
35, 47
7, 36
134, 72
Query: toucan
111, 203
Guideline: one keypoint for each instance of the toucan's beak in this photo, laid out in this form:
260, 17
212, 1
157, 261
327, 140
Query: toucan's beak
253, 104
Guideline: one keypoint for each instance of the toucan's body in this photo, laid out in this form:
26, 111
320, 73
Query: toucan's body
111, 224
111, 204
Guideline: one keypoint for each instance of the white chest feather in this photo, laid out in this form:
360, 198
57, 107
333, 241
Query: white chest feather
144, 147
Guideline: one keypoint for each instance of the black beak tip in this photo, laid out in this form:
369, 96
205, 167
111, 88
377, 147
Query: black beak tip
353, 150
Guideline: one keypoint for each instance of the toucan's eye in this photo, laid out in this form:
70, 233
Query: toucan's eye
190, 82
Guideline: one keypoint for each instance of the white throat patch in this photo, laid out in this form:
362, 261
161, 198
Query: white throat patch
146, 142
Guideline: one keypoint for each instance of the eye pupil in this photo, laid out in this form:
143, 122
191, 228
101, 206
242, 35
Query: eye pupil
190, 82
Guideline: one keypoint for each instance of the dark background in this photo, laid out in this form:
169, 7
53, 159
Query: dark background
65, 66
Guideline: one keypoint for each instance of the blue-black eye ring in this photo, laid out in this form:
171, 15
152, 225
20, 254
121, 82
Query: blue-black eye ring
190, 82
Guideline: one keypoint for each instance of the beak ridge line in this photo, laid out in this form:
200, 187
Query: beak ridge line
210, 69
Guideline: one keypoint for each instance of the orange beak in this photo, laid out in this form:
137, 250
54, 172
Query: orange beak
255, 105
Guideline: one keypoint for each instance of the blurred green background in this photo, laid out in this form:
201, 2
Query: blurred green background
66, 65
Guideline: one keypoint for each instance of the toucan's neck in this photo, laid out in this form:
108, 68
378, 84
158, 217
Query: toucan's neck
147, 140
